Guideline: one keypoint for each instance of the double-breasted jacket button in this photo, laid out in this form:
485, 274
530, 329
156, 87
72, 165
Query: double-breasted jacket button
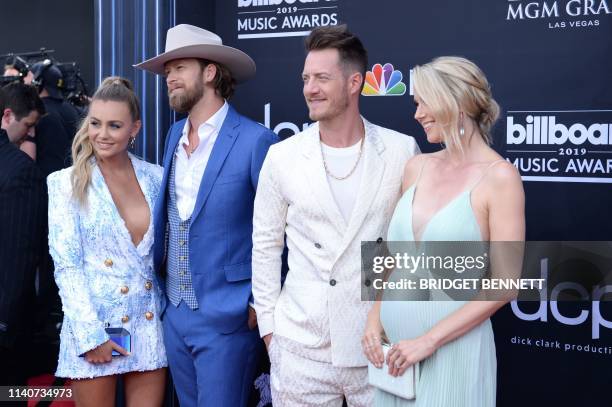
125, 319
125, 289
148, 285
149, 315
108, 263
379, 240
317, 245
332, 282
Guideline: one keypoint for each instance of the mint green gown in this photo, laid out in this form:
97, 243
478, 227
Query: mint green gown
463, 372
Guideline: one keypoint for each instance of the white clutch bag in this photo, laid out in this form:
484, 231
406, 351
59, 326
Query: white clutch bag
402, 386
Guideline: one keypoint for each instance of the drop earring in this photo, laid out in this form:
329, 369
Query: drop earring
132, 142
461, 128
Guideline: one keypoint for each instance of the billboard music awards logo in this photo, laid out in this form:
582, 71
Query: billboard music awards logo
560, 14
383, 81
561, 146
284, 18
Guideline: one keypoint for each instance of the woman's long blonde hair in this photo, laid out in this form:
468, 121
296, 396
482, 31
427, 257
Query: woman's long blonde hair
451, 85
115, 89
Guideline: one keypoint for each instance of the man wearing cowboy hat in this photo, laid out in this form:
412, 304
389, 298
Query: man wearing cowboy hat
204, 215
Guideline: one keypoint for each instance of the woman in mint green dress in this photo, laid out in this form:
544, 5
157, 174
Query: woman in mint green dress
464, 192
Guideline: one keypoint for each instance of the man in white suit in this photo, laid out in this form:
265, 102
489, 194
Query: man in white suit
326, 190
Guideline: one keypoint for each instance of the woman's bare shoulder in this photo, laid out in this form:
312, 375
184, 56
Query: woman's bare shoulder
503, 172
413, 167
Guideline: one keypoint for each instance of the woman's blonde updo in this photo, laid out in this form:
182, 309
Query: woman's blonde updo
114, 89
451, 85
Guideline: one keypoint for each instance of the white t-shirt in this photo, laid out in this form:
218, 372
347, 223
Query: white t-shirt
340, 161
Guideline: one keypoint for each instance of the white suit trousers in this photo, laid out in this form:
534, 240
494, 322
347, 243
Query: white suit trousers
298, 381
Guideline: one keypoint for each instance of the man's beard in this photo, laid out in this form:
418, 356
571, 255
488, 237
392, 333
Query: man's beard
185, 102
335, 109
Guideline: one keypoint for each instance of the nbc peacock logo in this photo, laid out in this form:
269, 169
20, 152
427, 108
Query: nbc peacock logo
383, 80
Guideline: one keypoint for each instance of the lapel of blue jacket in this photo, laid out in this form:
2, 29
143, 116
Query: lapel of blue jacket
225, 141
173, 137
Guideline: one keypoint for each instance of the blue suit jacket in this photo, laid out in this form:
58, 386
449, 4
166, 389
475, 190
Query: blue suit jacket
221, 230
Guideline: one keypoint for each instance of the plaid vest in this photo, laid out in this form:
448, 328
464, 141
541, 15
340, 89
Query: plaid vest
178, 280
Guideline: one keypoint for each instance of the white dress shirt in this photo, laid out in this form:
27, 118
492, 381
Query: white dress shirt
190, 169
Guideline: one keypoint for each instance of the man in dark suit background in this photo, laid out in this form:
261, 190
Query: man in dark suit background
22, 226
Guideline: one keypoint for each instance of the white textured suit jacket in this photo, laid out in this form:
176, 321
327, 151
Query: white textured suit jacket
294, 200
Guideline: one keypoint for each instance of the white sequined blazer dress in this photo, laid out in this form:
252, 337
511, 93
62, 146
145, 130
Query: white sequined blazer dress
104, 280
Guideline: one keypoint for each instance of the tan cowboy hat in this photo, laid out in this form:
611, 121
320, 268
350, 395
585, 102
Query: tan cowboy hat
189, 41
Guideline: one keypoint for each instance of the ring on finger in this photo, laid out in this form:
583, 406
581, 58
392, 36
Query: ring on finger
399, 361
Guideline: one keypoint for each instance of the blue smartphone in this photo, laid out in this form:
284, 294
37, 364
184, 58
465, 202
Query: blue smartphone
121, 337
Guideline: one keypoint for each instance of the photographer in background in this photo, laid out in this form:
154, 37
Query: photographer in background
56, 130
23, 207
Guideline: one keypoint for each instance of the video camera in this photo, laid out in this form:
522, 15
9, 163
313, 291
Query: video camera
5, 80
18, 64
75, 90
19, 70
70, 85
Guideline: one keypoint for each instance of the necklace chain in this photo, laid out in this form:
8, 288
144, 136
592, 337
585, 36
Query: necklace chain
352, 169
189, 149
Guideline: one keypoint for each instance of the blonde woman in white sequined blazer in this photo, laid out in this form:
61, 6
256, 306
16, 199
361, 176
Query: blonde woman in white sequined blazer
101, 240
